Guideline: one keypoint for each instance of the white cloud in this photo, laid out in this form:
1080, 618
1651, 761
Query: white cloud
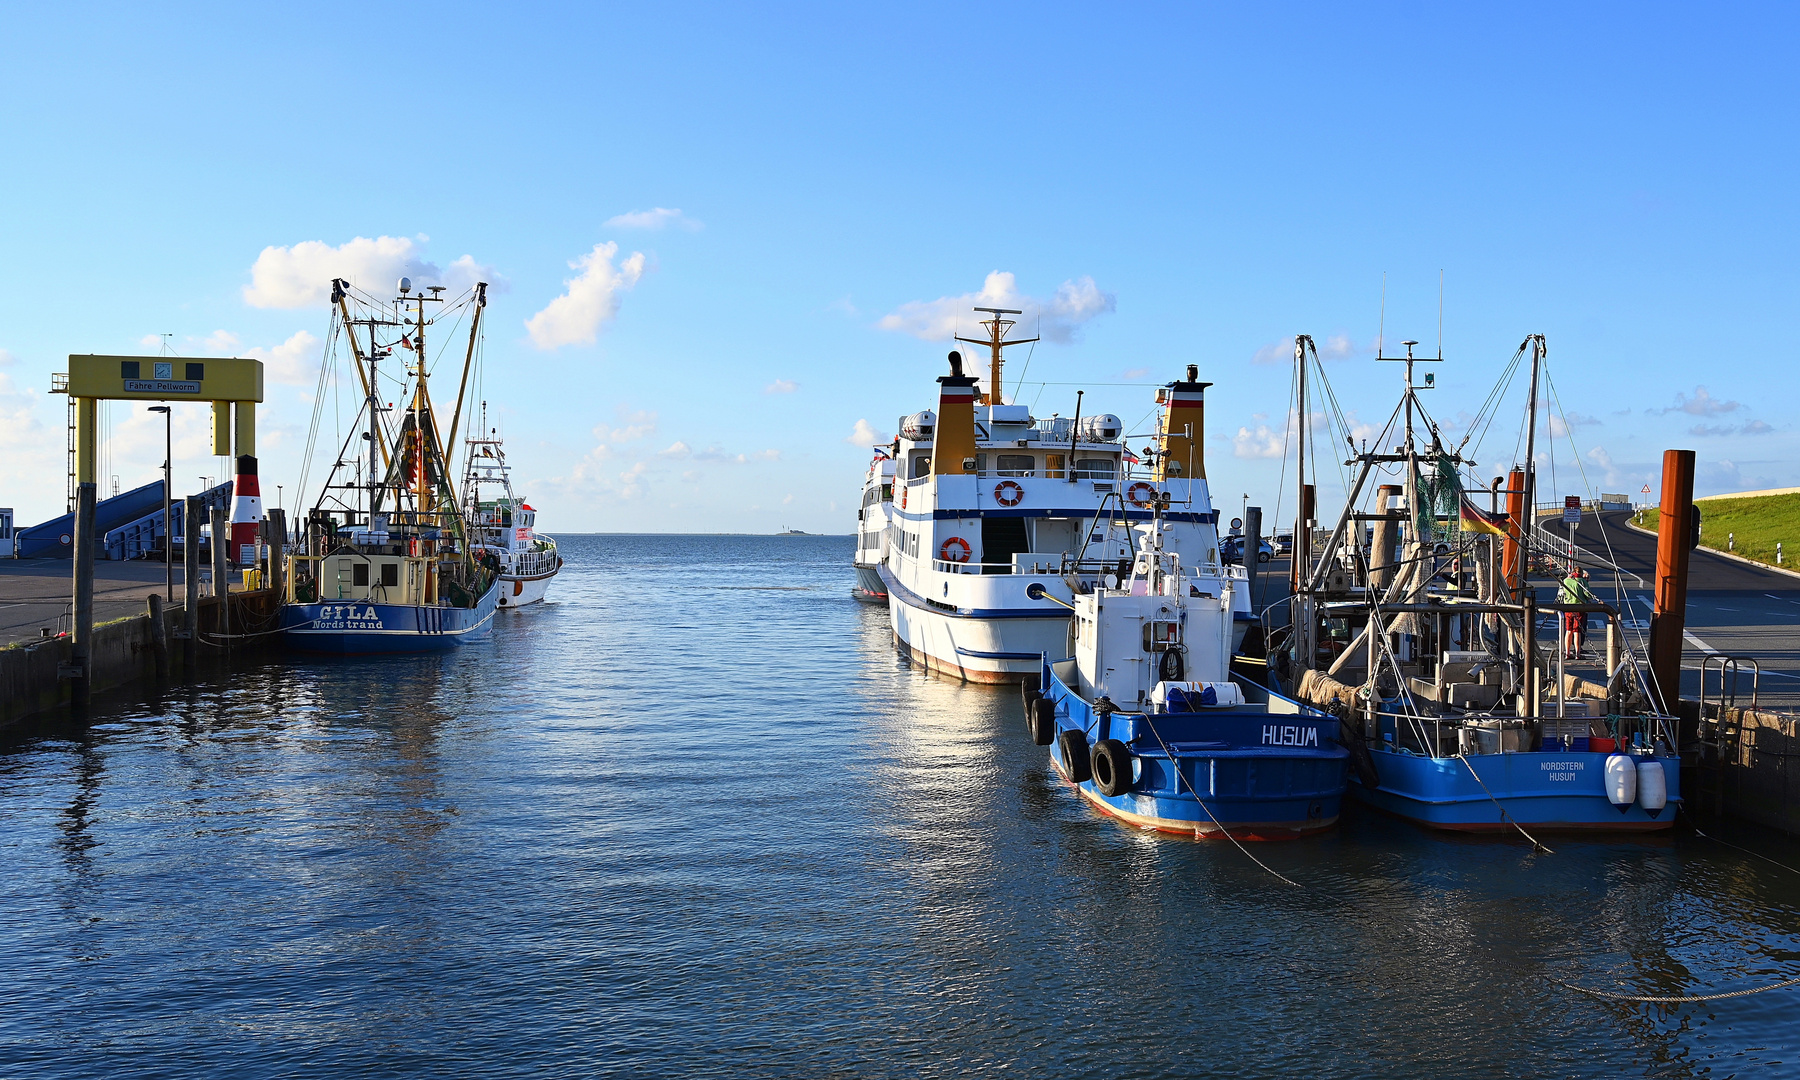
1701, 404
1336, 347
1262, 442
1611, 475
781, 386
221, 342
677, 449
1058, 319
294, 361
1750, 427
300, 276
462, 274
151, 341
632, 426
591, 300
864, 434
1134, 374
653, 219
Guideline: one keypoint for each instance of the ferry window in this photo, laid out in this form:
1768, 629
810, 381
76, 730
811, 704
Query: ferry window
1053, 466
1015, 465
390, 573
1095, 468
359, 574
887, 493
921, 465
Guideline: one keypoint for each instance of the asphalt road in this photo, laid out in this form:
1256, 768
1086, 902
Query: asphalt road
36, 594
1734, 609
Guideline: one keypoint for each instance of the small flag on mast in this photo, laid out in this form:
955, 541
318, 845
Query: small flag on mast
1475, 519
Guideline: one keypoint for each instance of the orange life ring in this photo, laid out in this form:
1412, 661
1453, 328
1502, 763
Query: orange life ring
955, 549
1141, 494
1009, 493
902, 498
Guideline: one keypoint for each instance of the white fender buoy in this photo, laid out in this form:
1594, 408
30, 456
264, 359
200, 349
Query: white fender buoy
1652, 786
1621, 782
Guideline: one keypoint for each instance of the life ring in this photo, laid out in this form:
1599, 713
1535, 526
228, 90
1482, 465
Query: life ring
1141, 494
955, 549
1009, 493
902, 498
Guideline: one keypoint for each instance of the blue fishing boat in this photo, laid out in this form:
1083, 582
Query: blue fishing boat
1422, 635
1147, 723
357, 627
385, 561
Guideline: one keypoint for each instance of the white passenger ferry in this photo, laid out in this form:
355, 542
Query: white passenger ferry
999, 519
872, 521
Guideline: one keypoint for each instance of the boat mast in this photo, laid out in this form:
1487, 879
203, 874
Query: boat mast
1299, 568
996, 341
1528, 527
463, 386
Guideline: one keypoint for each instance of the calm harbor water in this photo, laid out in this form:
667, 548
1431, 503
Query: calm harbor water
696, 818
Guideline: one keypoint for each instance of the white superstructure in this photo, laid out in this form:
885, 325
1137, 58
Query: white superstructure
990, 501
872, 520
506, 526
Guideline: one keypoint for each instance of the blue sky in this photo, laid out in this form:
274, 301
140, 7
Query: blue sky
1169, 185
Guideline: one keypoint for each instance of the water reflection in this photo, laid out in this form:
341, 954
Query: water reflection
681, 822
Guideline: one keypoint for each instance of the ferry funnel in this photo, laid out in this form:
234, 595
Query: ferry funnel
953, 443
1181, 455
246, 512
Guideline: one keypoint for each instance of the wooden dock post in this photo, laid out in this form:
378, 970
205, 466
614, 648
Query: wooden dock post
275, 533
221, 539
159, 636
81, 636
190, 575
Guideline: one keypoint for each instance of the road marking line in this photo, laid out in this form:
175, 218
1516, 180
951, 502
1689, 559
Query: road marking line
1698, 644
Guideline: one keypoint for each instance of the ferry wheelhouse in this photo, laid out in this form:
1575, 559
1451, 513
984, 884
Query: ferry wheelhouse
1000, 518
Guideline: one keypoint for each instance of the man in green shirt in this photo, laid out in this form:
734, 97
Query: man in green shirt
1575, 591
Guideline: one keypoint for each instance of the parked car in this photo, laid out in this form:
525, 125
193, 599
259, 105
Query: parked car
1284, 543
1231, 550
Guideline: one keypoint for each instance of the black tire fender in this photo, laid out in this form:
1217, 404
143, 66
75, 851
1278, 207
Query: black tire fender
1043, 721
1111, 765
1072, 747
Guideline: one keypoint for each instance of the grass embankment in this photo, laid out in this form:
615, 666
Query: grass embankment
1747, 527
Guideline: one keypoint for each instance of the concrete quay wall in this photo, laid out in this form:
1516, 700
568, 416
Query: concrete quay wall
123, 652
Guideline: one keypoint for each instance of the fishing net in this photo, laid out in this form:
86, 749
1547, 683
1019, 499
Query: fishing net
1435, 515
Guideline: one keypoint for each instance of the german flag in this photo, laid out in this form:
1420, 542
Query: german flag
1475, 519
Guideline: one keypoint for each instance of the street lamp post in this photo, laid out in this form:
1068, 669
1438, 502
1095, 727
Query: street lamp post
168, 484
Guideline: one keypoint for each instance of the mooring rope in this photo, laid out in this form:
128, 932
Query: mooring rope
1534, 840
1181, 779
1673, 999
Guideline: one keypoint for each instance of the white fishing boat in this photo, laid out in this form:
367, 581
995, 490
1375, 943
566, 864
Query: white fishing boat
503, 524
872, 520
1000, 519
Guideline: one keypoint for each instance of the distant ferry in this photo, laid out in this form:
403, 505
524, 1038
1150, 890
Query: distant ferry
1000, 519
872, 520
